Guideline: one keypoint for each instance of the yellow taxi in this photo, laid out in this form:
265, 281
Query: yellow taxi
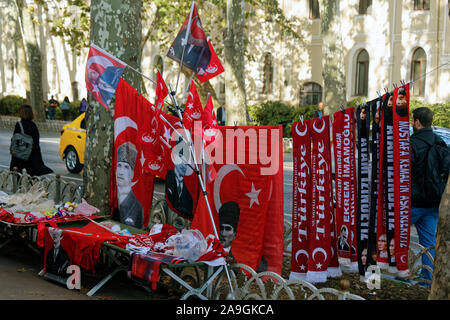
72, 144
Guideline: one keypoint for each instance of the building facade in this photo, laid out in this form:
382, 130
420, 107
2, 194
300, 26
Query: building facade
385, 42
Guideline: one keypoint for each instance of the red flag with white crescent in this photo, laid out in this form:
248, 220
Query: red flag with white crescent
193, 109
250, 213
131, 188
214, 67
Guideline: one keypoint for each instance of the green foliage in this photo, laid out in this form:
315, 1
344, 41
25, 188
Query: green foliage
277, 112
441, 111
9, 105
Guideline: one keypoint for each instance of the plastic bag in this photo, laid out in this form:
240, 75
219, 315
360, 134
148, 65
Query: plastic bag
86, 209
189, 244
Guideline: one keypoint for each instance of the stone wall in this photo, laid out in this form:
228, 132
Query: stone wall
43, 126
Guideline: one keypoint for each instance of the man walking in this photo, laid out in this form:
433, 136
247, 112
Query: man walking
424, 211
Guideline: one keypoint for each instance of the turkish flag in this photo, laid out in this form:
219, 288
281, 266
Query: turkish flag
250, 212
131, 187
193, 110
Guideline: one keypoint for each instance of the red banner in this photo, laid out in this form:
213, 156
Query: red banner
402, 172
131, 187
301, 198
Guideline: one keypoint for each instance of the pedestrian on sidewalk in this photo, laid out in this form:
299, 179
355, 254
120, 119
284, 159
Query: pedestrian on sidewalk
52, 104
34, 165
424, 211
65, 106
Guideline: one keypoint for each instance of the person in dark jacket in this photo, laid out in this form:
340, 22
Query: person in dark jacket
423, 214
34, 165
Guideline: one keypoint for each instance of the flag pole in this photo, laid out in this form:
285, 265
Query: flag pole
197, 171
186, 37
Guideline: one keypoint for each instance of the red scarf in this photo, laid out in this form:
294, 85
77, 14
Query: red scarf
354, 194
319, 224
301, 198
402, 181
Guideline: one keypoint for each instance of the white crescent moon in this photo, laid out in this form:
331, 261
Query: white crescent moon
401, 258
321, 129
120, 124
320, 250
99, 60
226, 169
155, 120
301, 252
301, 134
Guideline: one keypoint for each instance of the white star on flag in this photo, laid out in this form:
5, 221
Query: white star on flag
142, 160
190, 105
166, 133
253, 195
214, 122
302, 267
319, 265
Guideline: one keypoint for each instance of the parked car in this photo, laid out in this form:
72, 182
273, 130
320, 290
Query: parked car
72, 144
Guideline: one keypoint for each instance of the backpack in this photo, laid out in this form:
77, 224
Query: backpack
21, 144
436, 173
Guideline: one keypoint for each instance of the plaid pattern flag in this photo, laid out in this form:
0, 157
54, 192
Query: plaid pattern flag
103, 72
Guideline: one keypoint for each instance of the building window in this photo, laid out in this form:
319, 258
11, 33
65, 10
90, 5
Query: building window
314, 12
268, 73
364, 6
421, 4
362, 73
418, 70
310, 94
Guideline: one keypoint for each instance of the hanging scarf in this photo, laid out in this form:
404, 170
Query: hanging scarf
319, 226
354, 195
301, 198
363, 124
342, 155
389, 184
402, 181
375, 108
382, 255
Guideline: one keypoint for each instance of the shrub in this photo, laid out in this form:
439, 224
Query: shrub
441, 111
9, 105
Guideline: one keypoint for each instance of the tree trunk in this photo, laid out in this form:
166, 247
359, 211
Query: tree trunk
115, 27
234, 65
333, 67
34, 62
440, 289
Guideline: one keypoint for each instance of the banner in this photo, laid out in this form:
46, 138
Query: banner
354, 193
102, 75
131, 187
402, 181
382, 255
247, 195
301, 198
363, 125
319, 232
375, 109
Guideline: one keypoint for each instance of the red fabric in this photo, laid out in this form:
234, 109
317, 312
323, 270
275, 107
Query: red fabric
319, 223
202, 219
343, 173
193, 110
82, 244
257, 188
354, 192
301, 199
130, 114
214, 67
402, 173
